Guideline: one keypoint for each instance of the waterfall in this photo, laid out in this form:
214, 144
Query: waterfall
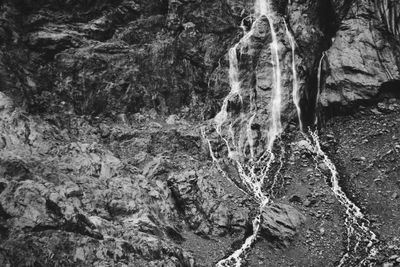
254, 171
276, 125
234, 80
296, 89
316, 107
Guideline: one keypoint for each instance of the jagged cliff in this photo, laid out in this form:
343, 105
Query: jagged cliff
102, 161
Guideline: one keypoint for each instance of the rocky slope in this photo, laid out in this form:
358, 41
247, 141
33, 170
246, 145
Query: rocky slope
102, 106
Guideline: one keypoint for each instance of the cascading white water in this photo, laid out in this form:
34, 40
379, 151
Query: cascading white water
248, 170
276, 124
295, 92
254, 169
234, 80
355, 219
222, 116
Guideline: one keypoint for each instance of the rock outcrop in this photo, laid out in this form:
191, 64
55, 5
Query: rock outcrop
363, 56
102, 103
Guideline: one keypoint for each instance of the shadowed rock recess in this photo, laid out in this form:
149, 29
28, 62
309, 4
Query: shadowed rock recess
199, 133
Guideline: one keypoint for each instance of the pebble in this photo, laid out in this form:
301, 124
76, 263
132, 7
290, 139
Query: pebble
295, 198
331, 200
393, 257
322, 230
323, 167
307, 203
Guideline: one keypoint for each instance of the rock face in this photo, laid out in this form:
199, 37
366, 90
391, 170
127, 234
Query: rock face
102, 103
363, 56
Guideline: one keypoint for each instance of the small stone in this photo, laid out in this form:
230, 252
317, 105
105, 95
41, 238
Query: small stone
122, 118
388, 264
307, 203
295, 198
79, 254
172, 119
395, 195
73, 190
323, 166
330, 200
394, 257
375, 111
330, 136
322, 230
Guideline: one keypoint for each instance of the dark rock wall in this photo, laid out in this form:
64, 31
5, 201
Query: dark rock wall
111, 57
81, 185
363, 55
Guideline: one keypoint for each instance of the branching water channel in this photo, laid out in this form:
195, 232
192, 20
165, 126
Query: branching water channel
255, 168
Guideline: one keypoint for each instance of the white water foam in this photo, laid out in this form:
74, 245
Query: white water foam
254, 172
296, 89
356, 223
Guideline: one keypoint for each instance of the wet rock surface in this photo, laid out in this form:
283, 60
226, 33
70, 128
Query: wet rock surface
102, 107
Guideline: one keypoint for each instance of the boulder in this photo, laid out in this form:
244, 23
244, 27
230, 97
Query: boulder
281, 221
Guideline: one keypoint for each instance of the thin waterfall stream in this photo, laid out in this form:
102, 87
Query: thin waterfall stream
356, 224
317, 98
253, 171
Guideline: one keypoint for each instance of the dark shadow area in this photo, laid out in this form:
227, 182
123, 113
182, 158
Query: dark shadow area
328, 21
390, 89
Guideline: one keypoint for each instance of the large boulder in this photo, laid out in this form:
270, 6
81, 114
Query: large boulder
281, 221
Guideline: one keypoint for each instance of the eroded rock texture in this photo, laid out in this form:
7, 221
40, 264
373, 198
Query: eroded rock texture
102, 158
363, 55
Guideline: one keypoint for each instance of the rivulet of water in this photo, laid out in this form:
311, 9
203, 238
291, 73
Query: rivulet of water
254, 171
356, 223
319, 87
